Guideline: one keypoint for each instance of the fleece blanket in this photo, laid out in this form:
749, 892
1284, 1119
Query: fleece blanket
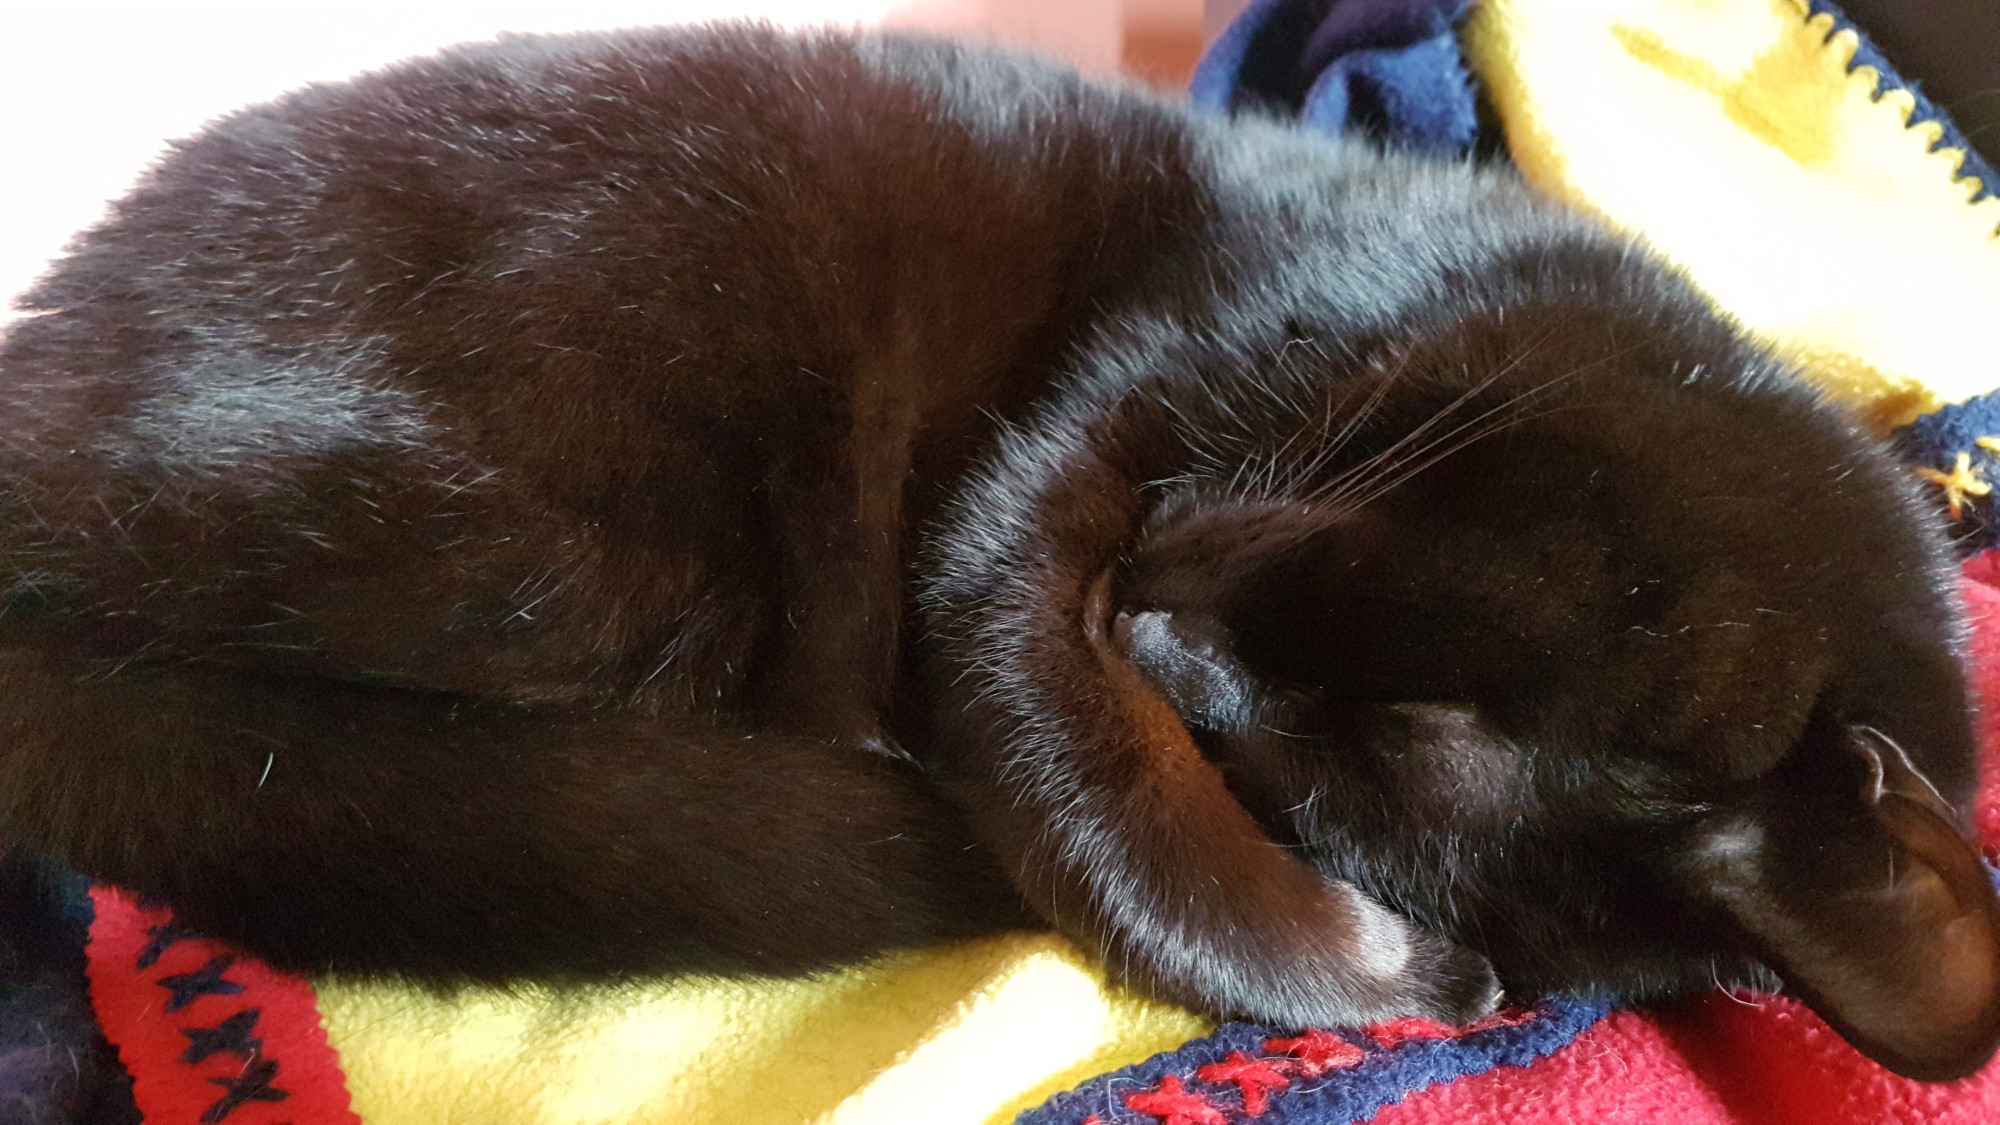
1761, 144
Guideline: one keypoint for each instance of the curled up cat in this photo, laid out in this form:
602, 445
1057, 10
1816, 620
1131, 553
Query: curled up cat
720, 500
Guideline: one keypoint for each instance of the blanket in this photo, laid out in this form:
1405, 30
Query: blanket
1760, 144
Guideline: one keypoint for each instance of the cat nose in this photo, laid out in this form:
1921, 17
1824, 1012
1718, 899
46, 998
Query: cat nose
1121, 630
1147, 637
1150, 640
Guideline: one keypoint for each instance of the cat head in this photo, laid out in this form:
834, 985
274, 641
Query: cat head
1634, 674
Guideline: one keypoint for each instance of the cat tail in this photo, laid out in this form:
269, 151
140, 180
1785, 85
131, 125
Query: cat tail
338, 826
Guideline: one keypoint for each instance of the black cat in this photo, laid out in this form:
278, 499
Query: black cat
512, 514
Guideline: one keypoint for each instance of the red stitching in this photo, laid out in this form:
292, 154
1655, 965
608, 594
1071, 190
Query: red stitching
1395, 1033
233, 1031
1313, 1053
1255, 1077
1175, 1106
1317, 1052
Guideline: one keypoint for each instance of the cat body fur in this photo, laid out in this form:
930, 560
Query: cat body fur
518, 513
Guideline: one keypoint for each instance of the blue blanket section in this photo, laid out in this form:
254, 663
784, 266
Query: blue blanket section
1392, 70
55, 1068
1936, 440
1387, 68
1348, 1093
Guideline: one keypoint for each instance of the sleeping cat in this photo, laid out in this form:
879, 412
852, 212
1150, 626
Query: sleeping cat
719, 500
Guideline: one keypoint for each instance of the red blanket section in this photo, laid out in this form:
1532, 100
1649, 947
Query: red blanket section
210, 1036
1725, 1060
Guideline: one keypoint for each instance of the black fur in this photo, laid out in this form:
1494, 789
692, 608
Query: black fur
513, 514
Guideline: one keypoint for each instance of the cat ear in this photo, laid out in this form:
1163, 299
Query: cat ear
1854, 877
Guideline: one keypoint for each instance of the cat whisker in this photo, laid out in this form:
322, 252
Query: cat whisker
1421, 432
1343, 502
1382, 472
1313, 797
1352, 425
1715, 974
1411, 466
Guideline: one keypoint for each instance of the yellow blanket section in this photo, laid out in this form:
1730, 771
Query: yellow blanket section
1732, 135
1728, 132
974, 1034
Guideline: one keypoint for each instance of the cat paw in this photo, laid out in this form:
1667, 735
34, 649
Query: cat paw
1384, 969
1455, 984
1439, 980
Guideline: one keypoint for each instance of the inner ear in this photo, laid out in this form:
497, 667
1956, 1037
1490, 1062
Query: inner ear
1851, 872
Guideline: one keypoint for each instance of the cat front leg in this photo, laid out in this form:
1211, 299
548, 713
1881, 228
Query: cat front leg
1083, 777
